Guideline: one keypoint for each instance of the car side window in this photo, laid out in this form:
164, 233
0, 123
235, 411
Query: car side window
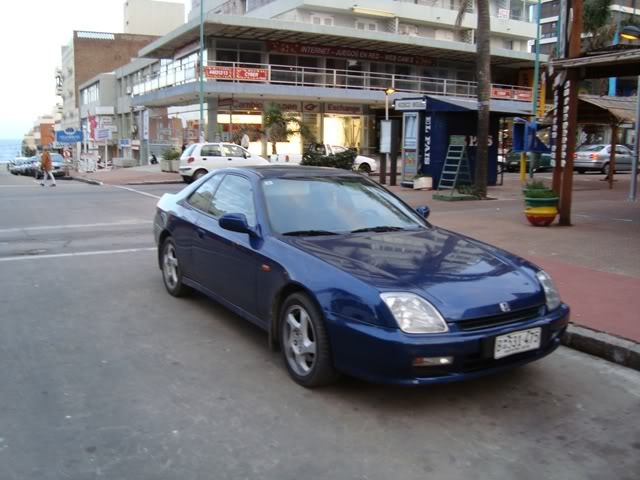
210, 151
234, 195
233, 151
201, 198
622, 151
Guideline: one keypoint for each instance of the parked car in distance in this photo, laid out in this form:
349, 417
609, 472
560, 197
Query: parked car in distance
347, 278
513, 162
201, 158
597, 158
362, 164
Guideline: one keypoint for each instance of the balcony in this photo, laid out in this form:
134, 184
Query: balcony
284, 75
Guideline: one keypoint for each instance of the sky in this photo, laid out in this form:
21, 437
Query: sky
32, 33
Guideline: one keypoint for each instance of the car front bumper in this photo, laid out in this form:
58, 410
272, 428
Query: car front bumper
386, 355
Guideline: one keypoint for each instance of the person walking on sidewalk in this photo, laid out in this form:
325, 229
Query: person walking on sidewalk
45, 166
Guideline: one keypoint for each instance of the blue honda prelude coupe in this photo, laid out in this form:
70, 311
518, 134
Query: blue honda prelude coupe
346, 278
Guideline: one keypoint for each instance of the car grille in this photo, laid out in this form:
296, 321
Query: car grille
499, 320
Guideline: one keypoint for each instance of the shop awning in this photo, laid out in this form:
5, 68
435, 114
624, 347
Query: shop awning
452, 104
602, 110
251, 28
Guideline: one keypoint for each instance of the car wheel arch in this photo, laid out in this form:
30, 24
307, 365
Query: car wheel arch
161, 239
279, 298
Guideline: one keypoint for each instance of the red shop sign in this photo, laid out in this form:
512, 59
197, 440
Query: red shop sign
231, 73
524, 95
501, 92
346, 52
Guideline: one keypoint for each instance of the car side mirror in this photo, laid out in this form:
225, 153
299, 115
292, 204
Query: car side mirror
247, 155
235, 222
423, 211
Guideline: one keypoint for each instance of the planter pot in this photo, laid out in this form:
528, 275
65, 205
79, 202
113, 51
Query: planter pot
541, 216
421, 183
541, 202
175, 165
526, 191
165, 165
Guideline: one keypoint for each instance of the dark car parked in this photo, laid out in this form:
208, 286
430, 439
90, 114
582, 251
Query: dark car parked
513, 162
346, 278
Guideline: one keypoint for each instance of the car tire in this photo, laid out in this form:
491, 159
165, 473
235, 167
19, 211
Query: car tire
186, 179
605, 169
198, 174
171, 270
305, 343
581, 171
364, 169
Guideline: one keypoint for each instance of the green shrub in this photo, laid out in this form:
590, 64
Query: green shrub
470, 190
539, 193
343, 160
535, 185
171, 154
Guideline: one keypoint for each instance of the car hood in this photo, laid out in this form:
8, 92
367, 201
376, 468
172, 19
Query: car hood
463, 278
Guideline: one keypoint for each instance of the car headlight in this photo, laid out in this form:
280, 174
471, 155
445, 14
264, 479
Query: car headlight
414, 314
550, 291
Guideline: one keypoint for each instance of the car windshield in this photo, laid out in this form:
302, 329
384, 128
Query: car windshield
590, 148
330, 205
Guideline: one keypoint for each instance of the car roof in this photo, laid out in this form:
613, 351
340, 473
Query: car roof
288, 171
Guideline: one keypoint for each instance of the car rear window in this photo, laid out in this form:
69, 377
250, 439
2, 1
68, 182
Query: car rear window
590, 148
188, 151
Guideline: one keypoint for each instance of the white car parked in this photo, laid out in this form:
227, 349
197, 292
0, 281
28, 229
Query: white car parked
362, 164
201, 158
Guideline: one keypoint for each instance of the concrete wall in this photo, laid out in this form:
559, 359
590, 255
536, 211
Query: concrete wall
152, 17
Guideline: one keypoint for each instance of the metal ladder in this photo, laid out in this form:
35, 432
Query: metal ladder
456, 169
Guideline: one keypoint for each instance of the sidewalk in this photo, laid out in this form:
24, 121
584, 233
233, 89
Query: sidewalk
144, 175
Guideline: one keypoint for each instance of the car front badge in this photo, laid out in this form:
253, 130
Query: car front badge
504, 306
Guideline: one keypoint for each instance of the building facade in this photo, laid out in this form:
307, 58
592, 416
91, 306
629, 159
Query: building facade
152, 17
88, 54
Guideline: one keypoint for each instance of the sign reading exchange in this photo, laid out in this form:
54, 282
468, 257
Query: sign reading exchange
345, 52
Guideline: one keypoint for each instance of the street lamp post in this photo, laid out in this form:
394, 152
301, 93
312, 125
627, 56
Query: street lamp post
536, 74
387, 92
631, 32
201, 72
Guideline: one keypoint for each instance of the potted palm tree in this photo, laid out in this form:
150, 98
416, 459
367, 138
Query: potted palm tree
281, 126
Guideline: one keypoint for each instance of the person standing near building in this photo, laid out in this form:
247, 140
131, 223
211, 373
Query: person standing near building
45, 166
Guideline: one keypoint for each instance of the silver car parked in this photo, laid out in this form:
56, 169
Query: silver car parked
598, 157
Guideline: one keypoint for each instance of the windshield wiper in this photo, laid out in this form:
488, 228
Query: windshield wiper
309, 233
381, 228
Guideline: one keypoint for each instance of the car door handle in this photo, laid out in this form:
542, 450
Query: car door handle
201, 233
204, 158
229, 159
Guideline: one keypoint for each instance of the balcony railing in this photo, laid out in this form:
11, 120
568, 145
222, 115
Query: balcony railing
229, 72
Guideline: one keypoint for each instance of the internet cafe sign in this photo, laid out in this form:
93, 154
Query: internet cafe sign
346, 52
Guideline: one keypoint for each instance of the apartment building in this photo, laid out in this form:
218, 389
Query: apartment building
152, 17
88, 54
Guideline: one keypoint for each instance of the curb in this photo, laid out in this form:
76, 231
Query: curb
156, 182
608, 347
87, 180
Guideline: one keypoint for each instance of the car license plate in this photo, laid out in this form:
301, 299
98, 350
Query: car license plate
517, 342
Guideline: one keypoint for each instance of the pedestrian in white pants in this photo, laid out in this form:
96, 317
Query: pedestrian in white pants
45, 166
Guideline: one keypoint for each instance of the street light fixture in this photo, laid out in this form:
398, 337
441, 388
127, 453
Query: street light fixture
630, 32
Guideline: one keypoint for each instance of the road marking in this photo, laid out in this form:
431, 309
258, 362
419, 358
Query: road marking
86, 225
137, 191
76, 254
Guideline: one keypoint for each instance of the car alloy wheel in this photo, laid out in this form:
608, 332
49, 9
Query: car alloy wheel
171, 272
364, 169
305, 343
199, 174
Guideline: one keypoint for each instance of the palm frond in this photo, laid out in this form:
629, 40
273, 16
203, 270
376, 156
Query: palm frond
464, 6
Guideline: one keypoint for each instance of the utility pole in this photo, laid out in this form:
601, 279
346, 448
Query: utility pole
201, 72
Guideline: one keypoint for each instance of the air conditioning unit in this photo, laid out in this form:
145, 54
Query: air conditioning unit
410, 30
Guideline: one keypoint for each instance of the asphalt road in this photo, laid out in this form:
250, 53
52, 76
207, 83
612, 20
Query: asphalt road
104, 375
